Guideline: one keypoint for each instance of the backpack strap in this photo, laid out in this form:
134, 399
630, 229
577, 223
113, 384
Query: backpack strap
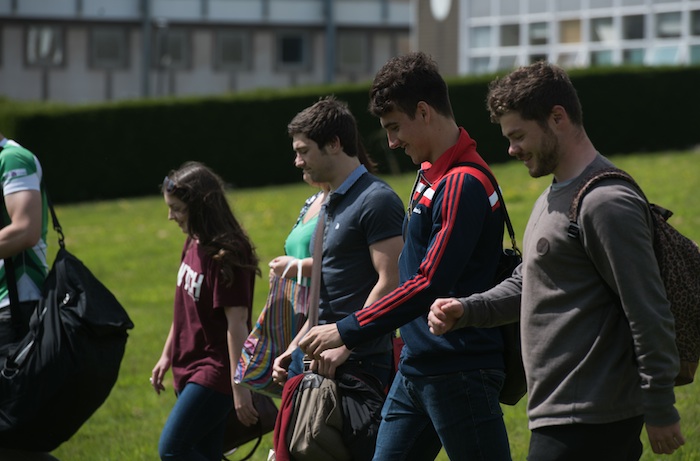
589, 183
489, 176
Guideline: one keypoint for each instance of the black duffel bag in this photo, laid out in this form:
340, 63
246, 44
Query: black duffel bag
64, 368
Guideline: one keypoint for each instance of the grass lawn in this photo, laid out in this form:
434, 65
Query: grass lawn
135, 251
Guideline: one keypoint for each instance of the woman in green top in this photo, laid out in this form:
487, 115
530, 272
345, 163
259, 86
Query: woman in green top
297, 262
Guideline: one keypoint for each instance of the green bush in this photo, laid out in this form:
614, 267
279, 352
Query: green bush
115, 150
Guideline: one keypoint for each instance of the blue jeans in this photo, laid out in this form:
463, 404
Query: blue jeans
195, 428
459, 411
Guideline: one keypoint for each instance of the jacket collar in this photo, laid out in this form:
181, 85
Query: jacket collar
463, 151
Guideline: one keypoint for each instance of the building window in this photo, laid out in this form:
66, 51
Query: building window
44, 46
601, 3
506, 62
172, 49
567, 60
109, 48
695, 22
633, 2
293, 51
510, 35
633, 27
480, 65
602, 30
664, 55
602, 58
570, 31
695, 54
481, 37
668, 25
232, 50
353, 52
633, 56
538, 33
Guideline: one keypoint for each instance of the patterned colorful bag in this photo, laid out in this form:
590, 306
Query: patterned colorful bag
281, 319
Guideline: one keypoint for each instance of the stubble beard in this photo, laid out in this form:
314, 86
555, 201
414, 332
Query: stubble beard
547, 159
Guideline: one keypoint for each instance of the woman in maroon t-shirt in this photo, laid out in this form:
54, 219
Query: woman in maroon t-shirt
211, 320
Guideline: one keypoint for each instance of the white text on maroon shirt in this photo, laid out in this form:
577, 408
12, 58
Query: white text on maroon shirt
193, 281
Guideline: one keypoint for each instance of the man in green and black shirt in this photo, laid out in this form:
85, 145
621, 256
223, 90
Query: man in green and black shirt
22, 238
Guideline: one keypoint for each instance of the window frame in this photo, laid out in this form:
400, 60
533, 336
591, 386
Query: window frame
630, 24
661, 22
694, 54
571, 31
602, 29
480, 37
122, 36
364, 51
694, 18
60, 33
509, 31
538, 33
304, 64
169, 34
246, 40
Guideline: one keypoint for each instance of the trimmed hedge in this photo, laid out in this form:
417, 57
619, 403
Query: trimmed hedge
124, 149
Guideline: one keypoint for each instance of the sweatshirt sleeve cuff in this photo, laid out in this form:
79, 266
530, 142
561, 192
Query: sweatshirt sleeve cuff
349, 330
659, 409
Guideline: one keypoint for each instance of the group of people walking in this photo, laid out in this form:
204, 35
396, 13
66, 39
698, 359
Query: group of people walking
597, 332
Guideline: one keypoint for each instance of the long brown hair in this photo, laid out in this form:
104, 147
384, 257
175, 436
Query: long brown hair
210, 218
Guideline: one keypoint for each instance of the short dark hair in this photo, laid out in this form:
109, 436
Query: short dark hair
532, 91
324, 121
406, 80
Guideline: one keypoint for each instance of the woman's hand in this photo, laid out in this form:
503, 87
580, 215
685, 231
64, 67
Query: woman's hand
278, 264
245, 411
281, 365
158, 374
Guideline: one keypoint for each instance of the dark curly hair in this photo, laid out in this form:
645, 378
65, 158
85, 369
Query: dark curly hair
406, 80
532, 92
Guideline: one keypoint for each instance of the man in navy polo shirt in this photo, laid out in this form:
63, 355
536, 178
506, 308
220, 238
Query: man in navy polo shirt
361, 245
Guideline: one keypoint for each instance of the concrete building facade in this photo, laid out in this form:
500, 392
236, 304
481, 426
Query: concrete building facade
81, 51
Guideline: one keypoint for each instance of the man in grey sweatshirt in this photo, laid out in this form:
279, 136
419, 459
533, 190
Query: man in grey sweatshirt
597, 330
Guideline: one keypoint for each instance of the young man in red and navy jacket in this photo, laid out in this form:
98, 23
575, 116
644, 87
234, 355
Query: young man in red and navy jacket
446, 390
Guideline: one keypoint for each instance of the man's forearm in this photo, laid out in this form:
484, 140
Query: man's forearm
498, 306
